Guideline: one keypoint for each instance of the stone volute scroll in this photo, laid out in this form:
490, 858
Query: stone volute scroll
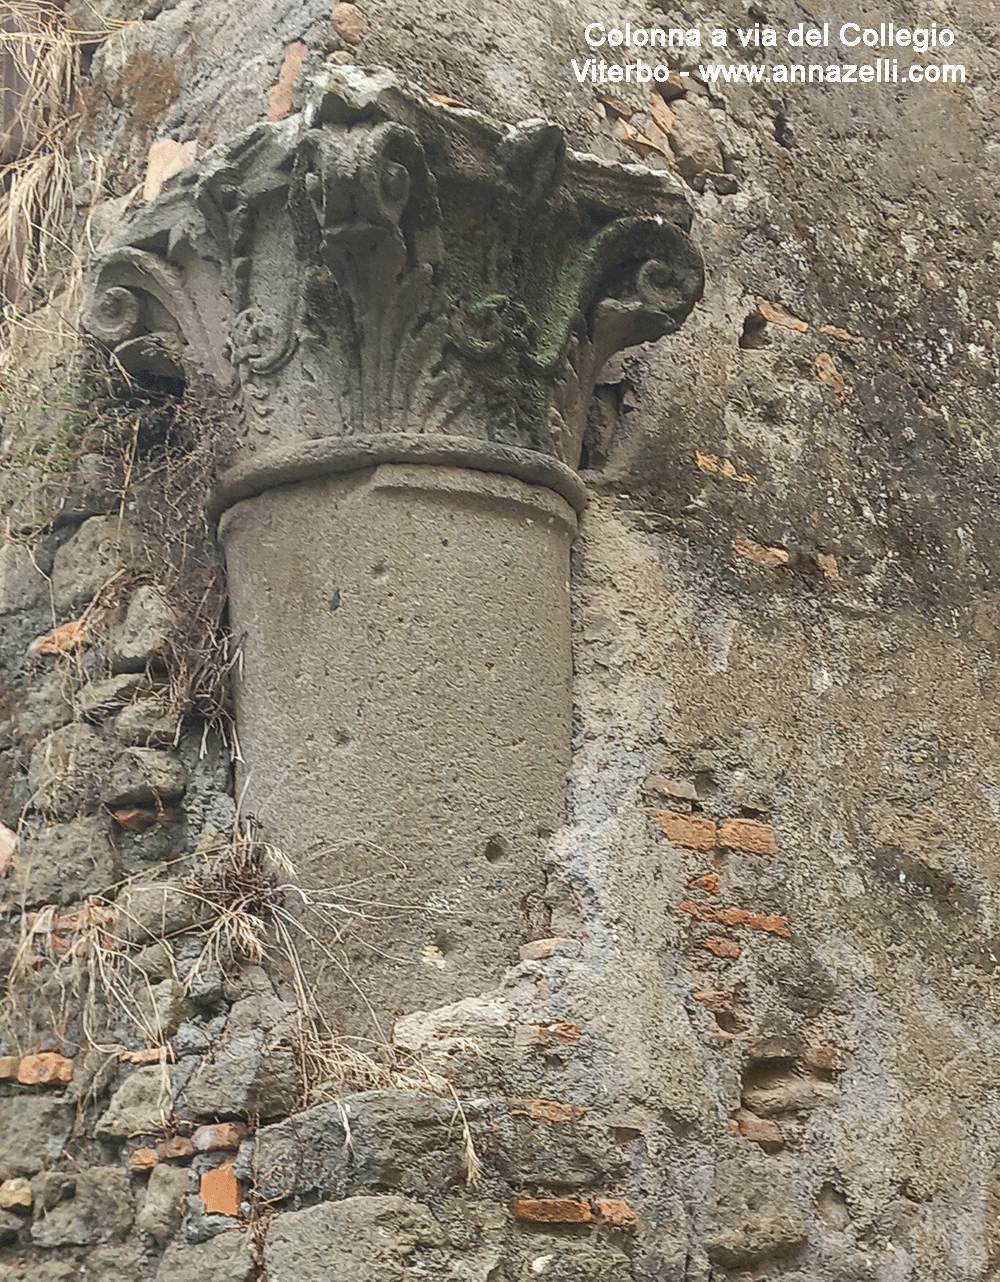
409, 306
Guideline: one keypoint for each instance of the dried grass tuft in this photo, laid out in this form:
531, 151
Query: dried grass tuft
40, 118
88, 957
241, 918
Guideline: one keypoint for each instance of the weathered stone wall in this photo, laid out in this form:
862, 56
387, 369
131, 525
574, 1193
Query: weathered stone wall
751, 1026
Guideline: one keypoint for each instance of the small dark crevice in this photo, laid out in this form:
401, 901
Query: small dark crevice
754, 335
784, 134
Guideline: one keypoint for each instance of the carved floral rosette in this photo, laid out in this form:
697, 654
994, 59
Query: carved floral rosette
382, 279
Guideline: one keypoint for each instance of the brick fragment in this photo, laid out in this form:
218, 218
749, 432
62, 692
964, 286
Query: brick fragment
614, 1211
15, 1194
709, 883
825, 1059
563, 1031
166, 158
749, 835
732, 917
745, 547
540, 949
92, 915
135, 818
149, 1055
47, 1069
219, 1135
694, 832
728, 948
715, 1000
547, 1034
64, 639
552, 1210
768, 1135
8, 1067
828, 564
280, 94
544, 1110
177, 1147
349, 23
770, 923
220, 1191
664, 787
8, 844
142, 1160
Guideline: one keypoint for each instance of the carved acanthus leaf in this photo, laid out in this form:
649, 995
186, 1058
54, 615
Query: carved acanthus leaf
381, 267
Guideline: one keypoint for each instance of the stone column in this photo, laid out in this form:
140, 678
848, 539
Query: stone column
409, 306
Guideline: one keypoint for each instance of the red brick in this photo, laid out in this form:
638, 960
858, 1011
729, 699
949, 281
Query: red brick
722, 947
47, 1069
219, 1135
714, 1000
177, 1147
545, 1110
143, 1159
771, 924
749, 835
552, 1210
135, 818
615, 1211
349, 23
692, 831
280, 94
729, 916
768, 1135
8, 1067
709, 882
220, 1191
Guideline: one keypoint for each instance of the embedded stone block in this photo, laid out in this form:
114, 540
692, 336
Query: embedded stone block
139, 1106
33, 1132
66, 771
225, 1258
142, 639
247, 1077
22, 583
88, 561
64, 863
101, 1210
145, 777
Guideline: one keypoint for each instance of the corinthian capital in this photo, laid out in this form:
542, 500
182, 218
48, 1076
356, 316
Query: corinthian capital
382, 279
